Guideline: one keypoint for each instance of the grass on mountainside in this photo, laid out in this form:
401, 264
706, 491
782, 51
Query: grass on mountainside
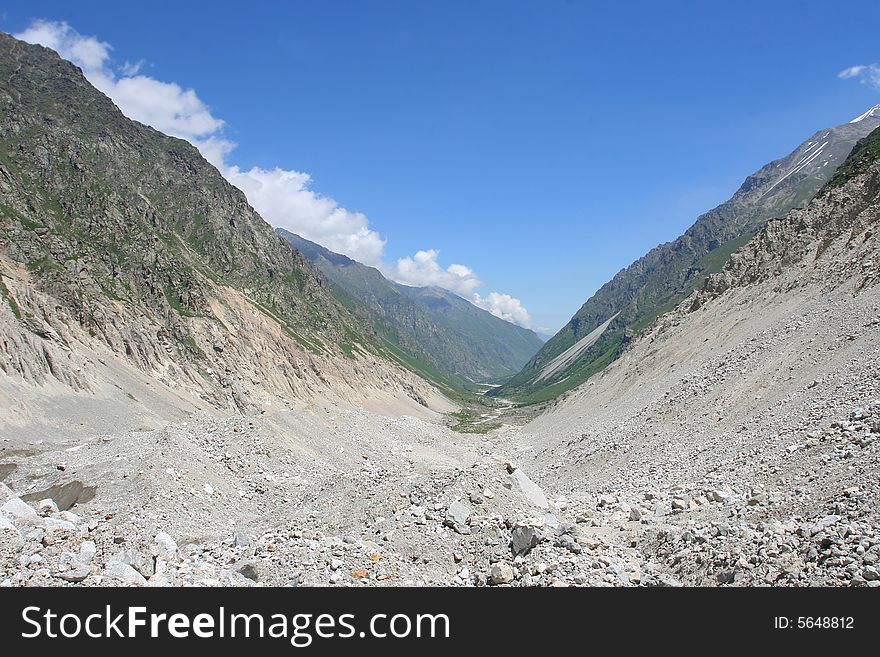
865, 153
4, 291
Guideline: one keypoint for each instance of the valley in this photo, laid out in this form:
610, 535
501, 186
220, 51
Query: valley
189, 396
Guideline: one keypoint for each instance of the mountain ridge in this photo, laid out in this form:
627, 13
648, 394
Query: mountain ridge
464, 343
656, 282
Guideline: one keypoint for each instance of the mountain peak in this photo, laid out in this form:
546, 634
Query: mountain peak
874, 111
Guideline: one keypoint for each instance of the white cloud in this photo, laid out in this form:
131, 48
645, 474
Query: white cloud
422, 269
283, 197
132, 68
504, 306
868, 74
165, 106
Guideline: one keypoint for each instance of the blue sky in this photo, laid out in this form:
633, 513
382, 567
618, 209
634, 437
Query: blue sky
535, 147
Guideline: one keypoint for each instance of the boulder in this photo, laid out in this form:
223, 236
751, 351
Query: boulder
11, 540
47, 507
165, 547
16, 509
524, 537
529, 490
501, 573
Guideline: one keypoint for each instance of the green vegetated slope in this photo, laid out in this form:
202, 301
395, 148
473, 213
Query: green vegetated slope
658, 281
436, 329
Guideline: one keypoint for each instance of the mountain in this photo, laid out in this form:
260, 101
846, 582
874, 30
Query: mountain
438, 331
632, 300
748, 414
123, 252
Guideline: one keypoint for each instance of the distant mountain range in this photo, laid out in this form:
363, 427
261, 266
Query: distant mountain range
631, 301
441, 334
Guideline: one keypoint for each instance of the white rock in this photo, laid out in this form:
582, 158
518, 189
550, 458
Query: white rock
165, 546
528, 489
17, 509
47, 507
87, 551
501, 573
124, 573
10, 538
69, 516
458, 513
6, 493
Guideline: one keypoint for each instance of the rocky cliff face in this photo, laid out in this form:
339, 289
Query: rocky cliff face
116, 238
655, 283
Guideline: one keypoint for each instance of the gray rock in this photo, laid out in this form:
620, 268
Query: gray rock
870, 574
77, 572
524, 537
249, 570
146, 566
726, 577
458, 513
567, 541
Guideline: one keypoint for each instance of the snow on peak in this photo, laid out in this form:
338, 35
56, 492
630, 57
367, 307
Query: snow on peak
874, 111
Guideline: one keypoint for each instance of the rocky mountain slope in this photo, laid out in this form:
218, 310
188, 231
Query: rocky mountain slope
655, 283
751, 412
123, 253
435, 328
